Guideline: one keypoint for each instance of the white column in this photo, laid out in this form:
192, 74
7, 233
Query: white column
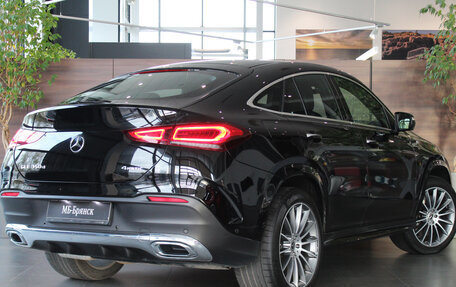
259, 31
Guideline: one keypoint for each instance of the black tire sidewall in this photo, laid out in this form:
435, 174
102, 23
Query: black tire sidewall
417, 245
80, 269
290, 198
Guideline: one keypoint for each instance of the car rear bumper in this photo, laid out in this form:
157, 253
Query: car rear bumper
139, 231
189, 248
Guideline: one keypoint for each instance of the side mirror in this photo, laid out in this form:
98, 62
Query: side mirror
404, 122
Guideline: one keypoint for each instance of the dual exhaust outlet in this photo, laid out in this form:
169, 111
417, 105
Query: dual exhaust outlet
164, 246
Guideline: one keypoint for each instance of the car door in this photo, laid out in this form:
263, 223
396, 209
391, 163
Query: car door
333, 147
391, 157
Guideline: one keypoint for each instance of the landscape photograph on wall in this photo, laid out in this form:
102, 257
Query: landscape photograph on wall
406, 44
340, 46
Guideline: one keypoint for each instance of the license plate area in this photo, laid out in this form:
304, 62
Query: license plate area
86, 212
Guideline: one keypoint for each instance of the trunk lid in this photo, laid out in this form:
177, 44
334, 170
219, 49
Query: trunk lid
87, 144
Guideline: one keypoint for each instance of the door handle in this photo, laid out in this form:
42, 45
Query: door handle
372, 143
313, 137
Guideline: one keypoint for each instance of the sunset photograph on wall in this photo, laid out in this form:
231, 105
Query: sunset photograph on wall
341, 46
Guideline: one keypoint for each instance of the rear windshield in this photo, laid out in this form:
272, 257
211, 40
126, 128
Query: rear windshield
156, 85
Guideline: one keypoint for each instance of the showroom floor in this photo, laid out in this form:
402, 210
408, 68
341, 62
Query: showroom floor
367, 263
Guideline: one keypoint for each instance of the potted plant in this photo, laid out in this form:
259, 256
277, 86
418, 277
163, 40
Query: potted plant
27, 47
440, 59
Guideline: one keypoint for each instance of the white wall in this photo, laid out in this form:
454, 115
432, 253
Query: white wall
401, 14
103, 10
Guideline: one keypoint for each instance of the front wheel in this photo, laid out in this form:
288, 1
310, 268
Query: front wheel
291, 245
90, 270
435, 220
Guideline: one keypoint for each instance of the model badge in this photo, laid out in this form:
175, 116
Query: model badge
77, 143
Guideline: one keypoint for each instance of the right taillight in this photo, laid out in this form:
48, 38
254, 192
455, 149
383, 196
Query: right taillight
203, 136
25, 137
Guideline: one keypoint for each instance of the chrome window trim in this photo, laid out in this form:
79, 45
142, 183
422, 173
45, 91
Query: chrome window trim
322, 119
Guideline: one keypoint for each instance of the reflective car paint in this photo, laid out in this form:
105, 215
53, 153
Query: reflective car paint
361, 188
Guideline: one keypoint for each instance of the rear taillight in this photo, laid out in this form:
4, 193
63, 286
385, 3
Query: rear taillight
25, 137
10, 193
150, 135
204, 136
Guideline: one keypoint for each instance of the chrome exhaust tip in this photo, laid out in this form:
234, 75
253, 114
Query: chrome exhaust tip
16, 237
173, 249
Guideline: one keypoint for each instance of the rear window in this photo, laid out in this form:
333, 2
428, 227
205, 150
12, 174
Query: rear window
156, 85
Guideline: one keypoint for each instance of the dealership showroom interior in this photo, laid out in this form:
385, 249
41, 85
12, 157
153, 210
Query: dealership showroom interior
248, 143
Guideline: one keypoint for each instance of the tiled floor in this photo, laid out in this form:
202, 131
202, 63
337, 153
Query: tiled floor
367, 263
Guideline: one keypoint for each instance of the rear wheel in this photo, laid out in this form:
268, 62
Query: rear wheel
291, 245
435, 220
97, 269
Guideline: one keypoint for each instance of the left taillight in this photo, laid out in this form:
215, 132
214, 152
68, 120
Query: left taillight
25, 137
202, 136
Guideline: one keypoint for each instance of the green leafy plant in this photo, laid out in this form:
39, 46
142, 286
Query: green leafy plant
27, 47
440, 59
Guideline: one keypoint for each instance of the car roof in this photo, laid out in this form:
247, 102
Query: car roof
247, 66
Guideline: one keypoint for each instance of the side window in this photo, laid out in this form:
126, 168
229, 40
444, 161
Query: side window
364, 108
271, 98
281, 97
317, 96
292, 102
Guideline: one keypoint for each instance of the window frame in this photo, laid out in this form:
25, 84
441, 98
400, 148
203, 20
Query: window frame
325, 75
385, 110
282, 103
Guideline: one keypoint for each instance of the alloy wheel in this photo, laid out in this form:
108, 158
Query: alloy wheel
435, 218
299, 245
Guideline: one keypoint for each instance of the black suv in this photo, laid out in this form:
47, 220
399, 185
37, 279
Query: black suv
250, 165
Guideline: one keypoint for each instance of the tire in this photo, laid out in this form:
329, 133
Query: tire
81, 269
266, 270
435, 220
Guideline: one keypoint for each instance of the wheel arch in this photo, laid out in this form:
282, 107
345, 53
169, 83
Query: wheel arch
442, 172
437, 167
303, 177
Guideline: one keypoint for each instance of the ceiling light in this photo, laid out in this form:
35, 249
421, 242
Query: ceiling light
369, 54
374, 33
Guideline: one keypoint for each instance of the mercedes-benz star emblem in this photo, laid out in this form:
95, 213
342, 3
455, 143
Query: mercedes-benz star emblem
77, 143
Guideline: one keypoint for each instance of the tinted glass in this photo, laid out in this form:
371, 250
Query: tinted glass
271, 98
281, 97
363, 107
317, 96
157, 85
292, 102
